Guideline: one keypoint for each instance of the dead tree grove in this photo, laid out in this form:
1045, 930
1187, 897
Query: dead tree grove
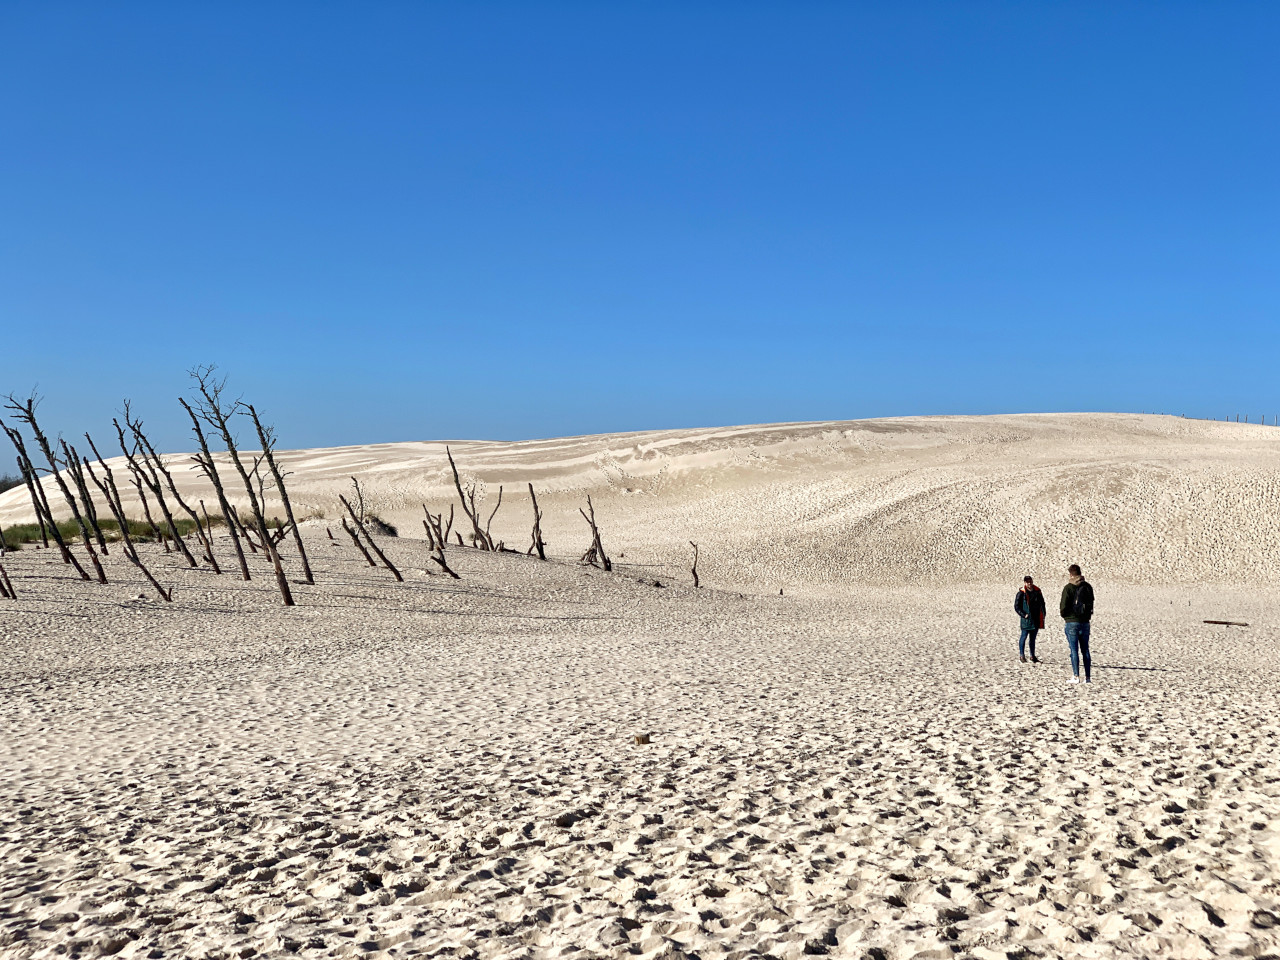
204, 460
25, 412
216, 414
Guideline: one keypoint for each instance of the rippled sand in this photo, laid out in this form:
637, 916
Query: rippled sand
449, 769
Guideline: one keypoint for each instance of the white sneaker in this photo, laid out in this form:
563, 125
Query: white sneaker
1074, 680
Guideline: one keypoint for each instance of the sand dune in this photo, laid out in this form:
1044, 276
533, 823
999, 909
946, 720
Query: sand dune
858, 768
1143, 499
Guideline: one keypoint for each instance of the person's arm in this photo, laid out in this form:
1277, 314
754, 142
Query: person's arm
1064, 605
1017, 603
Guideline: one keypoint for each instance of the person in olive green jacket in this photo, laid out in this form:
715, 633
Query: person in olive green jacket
1076, 607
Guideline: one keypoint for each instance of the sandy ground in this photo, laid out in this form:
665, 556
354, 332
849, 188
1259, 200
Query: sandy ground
449, 769
858, 767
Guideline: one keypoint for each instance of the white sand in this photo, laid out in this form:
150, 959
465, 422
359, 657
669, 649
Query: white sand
441, 768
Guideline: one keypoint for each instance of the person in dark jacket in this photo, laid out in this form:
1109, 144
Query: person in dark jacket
1028, 603
1076, 608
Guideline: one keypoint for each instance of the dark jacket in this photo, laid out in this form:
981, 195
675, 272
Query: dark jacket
1065, 607
1029, 605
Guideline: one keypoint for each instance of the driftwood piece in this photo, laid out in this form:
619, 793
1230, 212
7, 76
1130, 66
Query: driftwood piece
694, 569
266, 436
595, 554
538, 546
376, 549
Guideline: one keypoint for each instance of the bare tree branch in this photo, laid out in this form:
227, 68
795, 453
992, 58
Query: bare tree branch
376, 549
266, 436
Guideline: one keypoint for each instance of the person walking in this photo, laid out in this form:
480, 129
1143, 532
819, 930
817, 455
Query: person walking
1076, 608
1028, 604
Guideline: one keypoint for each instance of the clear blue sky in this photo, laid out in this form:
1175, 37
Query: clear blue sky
413, 221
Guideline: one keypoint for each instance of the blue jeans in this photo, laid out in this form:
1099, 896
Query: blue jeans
1028, 633
1078, 641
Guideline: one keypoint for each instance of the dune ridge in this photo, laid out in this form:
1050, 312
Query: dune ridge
814, 506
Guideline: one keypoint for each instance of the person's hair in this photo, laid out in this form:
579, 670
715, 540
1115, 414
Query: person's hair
1027, 579
1074, 570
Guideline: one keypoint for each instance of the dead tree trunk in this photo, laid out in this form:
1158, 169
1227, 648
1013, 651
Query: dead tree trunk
158, 466
112, 495
537, 544
146, 512
151, 479
35, 500
41, 500
25, 411
595, 554
694, 570
437, 528
6, 585
359, 515
267, 437
360, 526
245, 535
438, 558
488, 536
204, 460
214, 415
355, 538
74, 467
469, 507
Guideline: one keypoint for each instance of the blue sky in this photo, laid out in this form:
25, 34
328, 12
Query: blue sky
414, 221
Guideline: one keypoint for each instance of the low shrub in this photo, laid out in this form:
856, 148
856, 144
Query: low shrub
139, 530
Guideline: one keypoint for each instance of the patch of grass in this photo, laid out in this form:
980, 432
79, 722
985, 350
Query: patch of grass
20, 533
